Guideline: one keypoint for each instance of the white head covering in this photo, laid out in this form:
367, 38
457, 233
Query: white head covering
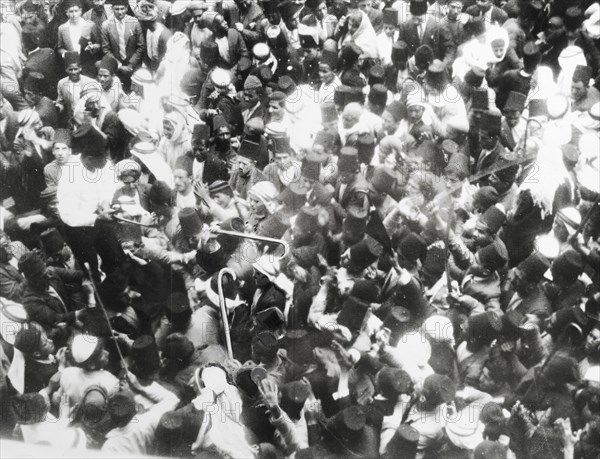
155, 163
266, 192
495, 32
83, 346
366, 38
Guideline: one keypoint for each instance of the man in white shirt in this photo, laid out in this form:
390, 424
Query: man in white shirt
84, 195
389, 34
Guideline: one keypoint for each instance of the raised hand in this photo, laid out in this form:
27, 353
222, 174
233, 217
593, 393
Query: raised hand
269, 393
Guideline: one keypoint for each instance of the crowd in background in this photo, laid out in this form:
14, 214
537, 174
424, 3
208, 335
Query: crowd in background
301, 228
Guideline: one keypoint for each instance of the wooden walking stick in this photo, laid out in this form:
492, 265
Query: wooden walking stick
103, 309
449, 222
223, 307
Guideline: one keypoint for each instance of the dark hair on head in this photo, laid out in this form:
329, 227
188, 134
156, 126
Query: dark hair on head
427, 190
423, 56
31, 39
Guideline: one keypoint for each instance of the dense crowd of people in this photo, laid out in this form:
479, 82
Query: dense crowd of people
301, 228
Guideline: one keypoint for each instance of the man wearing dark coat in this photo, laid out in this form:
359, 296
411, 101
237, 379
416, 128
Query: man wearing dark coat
128, 51
230, 44
423, 31
44, 295
33, 90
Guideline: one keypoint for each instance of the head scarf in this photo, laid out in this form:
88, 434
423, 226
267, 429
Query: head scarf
179, 143
364, 37
181, 132
360, 127
266, 193
496, 33
27, 119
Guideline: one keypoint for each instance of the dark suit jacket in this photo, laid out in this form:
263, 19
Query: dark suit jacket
237, 49
482, 164
436, 36
355, 193
46, 62
271, 296
135, 42
46, 309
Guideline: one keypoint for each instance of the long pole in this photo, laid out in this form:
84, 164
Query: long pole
223, 307
101, 304
449, 223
